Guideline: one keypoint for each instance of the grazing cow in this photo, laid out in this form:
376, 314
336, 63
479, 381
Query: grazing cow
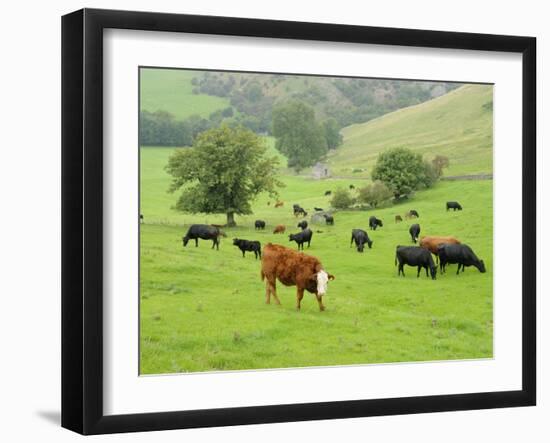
279, 229
302, 224
206, 232
247, 245
329, 219
431, 243
454, 206
259, 224
301, 238
415, 256
318, 209
351, 187
300, 211
279, 204
414, 230
398, 219
328, 192
360, 237
374, 222
293, 268
461, 254
412, 214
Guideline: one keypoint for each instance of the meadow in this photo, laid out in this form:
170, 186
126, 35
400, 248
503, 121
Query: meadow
171, 90
204, 310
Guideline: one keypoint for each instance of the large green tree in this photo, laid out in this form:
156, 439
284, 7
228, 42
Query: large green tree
332, 133
223, 172
298, 135
401, 170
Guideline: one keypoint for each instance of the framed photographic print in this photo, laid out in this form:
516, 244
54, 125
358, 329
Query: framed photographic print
269, 221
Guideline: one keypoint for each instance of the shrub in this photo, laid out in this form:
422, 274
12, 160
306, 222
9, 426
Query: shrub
342, 199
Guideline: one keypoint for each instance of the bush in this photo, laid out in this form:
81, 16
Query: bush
342, 199
374, 194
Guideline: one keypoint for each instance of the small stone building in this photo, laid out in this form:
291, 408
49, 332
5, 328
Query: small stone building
320, 170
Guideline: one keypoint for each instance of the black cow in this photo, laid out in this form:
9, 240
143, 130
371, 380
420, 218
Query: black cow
249, 245
461, 254
206, 232
351, 187
360, 237
298, 210
454, 206
259, 224
329, 219
413, 213
374, 222
328, 192
301, 238
318, 209
302, 224
414, 230
415, 256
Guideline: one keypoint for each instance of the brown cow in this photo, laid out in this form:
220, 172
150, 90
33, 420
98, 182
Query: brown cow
279, 229
293, 268
279, 203
431, 242
398, 219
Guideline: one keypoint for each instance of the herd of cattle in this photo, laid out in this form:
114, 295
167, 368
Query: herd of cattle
294, 268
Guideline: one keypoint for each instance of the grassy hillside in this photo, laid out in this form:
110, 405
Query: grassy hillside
171, 90
456, 124
203, 309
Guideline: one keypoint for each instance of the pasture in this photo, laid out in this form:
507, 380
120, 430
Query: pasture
204, 310
171, 90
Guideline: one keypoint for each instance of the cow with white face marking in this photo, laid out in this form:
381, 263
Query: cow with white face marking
293, 268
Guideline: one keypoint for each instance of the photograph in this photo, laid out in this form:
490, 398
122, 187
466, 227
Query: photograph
297, 220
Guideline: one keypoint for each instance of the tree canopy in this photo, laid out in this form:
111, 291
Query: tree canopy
223, 172
298, 135
402, 171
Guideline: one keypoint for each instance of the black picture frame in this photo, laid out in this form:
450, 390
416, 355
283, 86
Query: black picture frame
82, 218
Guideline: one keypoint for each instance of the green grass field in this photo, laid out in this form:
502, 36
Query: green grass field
204, 310
171, 90
455, 124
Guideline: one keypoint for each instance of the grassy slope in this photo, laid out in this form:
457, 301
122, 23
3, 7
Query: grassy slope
455, 125
171, 90
204, 310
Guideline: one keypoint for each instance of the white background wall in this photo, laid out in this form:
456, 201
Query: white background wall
30, 219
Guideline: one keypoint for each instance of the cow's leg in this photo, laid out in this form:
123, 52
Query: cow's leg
243, 253
418, 271
267, 291
320, 301
270, 289
196, 243
426, 271
299, 296
274, 293
308, 243
458, 269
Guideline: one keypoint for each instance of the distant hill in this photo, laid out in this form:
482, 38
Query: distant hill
458, 124
348, 100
